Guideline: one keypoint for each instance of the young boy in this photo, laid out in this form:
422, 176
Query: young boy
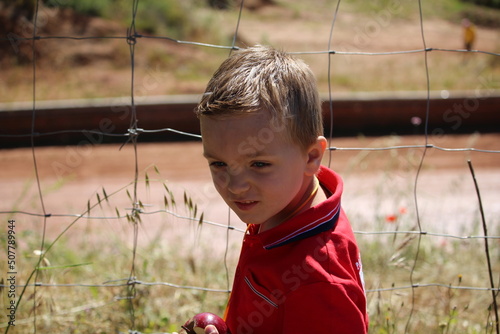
299, 269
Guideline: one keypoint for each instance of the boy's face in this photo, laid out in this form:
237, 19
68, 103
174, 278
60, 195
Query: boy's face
256, 169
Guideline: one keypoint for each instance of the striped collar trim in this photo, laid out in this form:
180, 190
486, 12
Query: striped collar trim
317, 226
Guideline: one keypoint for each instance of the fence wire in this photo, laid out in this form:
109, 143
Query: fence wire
134, 215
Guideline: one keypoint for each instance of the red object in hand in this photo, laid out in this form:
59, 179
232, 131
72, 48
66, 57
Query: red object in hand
197, 324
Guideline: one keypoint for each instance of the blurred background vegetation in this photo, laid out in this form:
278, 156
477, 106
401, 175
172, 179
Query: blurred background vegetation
180, 68
163, 16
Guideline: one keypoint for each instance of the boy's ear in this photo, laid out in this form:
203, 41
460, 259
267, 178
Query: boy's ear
315, 155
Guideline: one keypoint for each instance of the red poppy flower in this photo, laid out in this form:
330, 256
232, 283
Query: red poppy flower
391, 218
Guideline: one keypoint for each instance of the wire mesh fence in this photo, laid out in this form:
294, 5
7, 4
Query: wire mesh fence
145, 255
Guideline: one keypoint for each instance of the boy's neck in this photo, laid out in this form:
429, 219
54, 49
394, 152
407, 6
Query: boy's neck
312, 197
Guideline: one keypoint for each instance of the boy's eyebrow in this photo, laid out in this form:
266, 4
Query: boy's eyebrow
208, 155
256, 154
251, 154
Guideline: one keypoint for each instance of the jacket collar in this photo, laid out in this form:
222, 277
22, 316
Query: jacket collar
315, 220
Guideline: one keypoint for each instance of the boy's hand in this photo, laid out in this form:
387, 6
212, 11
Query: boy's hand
210, 329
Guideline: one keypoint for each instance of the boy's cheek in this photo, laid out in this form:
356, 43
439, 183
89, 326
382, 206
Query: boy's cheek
221, 180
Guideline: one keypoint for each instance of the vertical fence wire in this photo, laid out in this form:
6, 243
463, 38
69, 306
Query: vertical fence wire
419, 168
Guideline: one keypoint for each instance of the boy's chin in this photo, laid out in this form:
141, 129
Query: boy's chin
249, 221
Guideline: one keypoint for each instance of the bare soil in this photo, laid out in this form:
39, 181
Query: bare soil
376, 182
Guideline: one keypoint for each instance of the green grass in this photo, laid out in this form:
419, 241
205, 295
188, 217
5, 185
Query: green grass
387, 262
168, 17
101, 309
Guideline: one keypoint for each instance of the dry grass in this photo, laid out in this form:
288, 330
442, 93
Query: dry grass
190, 259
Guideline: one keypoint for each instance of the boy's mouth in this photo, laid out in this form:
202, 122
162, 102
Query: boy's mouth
245, 205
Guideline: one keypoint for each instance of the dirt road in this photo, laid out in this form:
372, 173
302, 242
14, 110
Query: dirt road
378, 184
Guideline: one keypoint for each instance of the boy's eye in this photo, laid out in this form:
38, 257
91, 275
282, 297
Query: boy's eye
217, 164
260, 164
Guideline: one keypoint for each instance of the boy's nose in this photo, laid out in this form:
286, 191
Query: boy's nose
237, 184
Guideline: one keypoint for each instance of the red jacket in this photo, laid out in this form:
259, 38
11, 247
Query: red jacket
303, 276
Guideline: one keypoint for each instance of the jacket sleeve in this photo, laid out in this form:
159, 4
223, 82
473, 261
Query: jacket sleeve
326, 308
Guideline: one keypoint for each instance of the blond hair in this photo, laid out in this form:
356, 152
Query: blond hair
265, 79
